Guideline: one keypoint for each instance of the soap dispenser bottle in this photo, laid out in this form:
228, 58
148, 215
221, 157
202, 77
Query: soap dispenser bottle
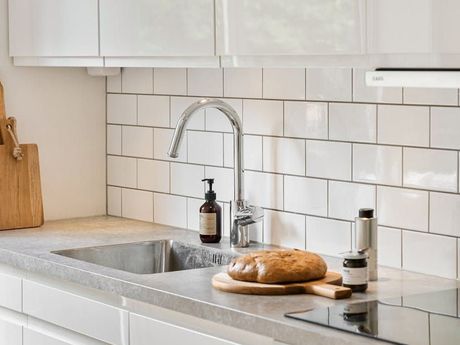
210, 216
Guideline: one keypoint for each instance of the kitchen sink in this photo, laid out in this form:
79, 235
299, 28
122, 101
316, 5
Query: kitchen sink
151, 256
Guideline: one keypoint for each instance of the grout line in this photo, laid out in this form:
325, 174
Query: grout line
352, 88
429, 127
328, 122
294, 213
293, 175
297, 100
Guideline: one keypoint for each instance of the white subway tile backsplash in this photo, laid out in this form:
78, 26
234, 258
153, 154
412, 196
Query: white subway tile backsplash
223, 182
329, 84
153, 111
306, 120
170, 81
113, 140
114, 83
445, 214
430, 169
217, 121
403, 125
178, 105
305, 195
364, 93
433, 96
122, 171
252, 152
345, 199
328, 236
283, 155
284, 83
137, 80
205, 82
243, 82
137, 141
153, 175
114, 201
186, 179
161, 141
205, 148
402, 208
265, 190
284, 229
263, 117
170, 210
389, 247
137, 204
329, 160
122, 109
445, 127
353, 122
430, 254
310, 164
377, 164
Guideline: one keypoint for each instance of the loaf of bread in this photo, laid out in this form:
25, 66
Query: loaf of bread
278, 266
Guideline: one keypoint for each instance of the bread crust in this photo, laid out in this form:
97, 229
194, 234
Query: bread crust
278, 266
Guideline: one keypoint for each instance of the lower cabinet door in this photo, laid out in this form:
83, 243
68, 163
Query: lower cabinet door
10, 333
35, 338
146, 331
77, 313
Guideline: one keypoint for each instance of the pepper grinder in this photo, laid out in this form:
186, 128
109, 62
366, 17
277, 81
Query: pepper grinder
366, 239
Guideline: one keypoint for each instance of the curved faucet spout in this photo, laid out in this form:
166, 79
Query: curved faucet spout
235, 121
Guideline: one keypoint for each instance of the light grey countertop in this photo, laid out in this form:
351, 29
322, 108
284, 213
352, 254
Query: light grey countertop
30, 250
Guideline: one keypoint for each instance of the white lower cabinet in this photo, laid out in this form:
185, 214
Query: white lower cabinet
32, 337
82, 315
10, 333
147, 331
10, 292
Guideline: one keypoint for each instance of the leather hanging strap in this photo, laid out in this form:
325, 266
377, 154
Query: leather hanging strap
11, 128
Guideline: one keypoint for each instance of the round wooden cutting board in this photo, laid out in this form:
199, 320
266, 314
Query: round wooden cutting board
329, 286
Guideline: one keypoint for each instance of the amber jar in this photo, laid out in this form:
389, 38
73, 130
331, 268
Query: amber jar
354, 271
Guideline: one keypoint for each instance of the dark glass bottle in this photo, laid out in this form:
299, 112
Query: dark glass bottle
210, 217
354, 271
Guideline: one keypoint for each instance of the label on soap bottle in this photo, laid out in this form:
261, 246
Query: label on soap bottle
208, 223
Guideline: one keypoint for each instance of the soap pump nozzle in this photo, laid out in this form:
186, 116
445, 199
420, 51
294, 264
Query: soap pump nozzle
210, 194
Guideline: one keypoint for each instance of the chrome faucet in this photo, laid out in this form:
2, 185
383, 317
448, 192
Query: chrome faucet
242, 214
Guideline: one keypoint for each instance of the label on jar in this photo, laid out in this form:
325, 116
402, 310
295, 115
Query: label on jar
208, 223
354, 276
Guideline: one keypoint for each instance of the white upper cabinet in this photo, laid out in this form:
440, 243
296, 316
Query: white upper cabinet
295, 27
53, 28
413, 26
157, 28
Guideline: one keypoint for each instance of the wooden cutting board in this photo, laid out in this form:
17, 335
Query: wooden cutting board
329, 286
21, 203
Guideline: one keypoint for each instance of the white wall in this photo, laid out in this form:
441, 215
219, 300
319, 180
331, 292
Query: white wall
319, 145
63, 111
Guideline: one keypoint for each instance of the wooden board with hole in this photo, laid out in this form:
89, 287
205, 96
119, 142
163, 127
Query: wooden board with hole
21, 203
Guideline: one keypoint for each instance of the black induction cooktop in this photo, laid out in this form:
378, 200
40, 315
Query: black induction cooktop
423, 319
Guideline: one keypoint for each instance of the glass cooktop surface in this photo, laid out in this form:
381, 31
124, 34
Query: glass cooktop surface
423, 319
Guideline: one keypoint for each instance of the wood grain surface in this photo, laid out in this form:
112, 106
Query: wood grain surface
21, 203
329, 286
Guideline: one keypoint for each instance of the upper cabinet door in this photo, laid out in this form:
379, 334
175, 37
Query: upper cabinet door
53, 28
294, 27
413, 26
142, 28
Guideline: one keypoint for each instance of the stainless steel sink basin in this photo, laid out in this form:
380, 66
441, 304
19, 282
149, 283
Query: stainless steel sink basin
151, 257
